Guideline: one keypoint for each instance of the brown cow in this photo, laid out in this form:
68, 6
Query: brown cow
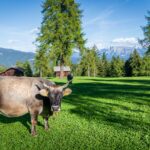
36, 96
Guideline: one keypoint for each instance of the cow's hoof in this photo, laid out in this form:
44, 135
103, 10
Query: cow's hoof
34, 134
47, 128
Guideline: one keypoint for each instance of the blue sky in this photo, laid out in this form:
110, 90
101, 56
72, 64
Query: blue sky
105, 22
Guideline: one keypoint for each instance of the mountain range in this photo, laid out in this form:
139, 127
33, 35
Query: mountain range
122, 52
9, 57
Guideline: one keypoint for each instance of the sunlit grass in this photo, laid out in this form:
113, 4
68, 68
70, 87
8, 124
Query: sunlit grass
101, 113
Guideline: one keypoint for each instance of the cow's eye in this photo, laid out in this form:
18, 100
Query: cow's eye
60, 96
51, 95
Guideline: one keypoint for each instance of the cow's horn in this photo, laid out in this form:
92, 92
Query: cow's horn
64, 86
49, 87
45, 85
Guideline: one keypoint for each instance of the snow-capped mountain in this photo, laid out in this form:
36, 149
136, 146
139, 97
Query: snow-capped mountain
122, 52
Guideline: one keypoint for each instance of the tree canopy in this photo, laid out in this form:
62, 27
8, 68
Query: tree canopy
60, 32
26, 67
146, 30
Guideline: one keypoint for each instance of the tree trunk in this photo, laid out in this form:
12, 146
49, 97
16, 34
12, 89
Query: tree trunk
88, 71
94, 72
62, 62
40, 73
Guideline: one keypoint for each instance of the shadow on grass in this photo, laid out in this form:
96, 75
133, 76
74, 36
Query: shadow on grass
126, 80
24, 120
92, 102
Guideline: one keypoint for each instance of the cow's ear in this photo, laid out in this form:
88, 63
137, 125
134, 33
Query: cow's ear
44, 92
67, 92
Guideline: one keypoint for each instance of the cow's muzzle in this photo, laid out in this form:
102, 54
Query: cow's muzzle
55, 108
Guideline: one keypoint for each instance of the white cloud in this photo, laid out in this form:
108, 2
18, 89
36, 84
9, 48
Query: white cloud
102, 16
12, 41
130, 41
98, 44
22, 46
126, 40
34, 31
20, 39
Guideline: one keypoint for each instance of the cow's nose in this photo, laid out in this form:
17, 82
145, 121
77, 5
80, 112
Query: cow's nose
55, 108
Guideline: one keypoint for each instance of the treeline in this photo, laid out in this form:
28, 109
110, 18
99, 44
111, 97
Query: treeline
2, 68
26, 66
94, 64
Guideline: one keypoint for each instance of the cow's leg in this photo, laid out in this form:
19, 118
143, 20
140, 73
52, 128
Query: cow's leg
46, 125
33, 123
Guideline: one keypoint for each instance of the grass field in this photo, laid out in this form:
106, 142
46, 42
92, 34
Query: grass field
101, 113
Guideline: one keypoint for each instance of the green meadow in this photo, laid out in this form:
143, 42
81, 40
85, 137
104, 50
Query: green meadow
100, 114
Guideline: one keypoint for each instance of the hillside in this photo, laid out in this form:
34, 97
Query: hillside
9, 57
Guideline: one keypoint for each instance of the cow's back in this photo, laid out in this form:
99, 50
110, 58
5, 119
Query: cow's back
15, 94
15, 88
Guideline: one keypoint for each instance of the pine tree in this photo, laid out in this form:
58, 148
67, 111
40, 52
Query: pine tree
145, 68
103, 66
146, 41
135, 64
116, 67
41, 63
26, 67
28, 70
89, 62
85, 64
60, 32
2, 68
94, 60
128, 68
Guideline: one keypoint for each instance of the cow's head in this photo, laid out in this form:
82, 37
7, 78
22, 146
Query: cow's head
55, 94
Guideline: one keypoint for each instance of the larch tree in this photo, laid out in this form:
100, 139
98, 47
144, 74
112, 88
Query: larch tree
60, 33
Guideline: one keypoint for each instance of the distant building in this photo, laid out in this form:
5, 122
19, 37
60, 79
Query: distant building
66, 70
14, 71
